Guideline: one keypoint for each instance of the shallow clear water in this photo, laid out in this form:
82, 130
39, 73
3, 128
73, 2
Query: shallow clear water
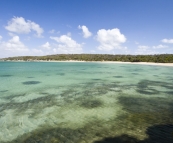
85, 102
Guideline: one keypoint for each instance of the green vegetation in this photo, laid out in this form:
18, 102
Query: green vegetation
164, 58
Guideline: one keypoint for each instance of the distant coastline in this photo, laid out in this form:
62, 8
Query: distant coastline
160, 60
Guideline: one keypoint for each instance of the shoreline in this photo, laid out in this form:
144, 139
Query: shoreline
109, 62
142, 63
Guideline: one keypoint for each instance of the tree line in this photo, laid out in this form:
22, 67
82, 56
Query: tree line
162, 58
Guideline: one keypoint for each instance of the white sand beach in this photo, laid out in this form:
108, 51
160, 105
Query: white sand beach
119, 62
141, 63
115, 62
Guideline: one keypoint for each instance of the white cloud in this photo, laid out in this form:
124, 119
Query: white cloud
86, 32
13, 44
46, 46
19, 25
67, 45
160, 47
110, 39
0, 37
169, 41
13, 47
37, 28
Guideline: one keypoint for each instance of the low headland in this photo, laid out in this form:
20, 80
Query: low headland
162, 59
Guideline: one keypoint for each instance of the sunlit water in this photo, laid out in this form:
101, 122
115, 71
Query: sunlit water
42, 102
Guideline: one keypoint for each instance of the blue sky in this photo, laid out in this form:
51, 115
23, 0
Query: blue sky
43, 27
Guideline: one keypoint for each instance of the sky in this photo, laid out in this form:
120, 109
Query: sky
46, 27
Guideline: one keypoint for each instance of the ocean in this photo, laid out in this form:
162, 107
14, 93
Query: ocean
92, 102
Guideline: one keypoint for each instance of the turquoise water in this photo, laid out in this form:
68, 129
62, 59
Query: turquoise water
62, 102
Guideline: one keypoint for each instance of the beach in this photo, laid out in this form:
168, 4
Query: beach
142, 63
110, 62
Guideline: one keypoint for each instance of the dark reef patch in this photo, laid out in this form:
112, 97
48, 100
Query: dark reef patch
96, 79
143, 84
118, 76
151, 114
69, 92
61, 74
169, 92
83, 69
138, 70
119, 139
156, 134
3, 90
134, 73
148, 91
44, 93
10, 98
160, 134
169, 77
168, 86
31, 82
37, 105
30, 77
146, 86
6, 75
87, 93
143, 105
91, 104
145, 111
100, 88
